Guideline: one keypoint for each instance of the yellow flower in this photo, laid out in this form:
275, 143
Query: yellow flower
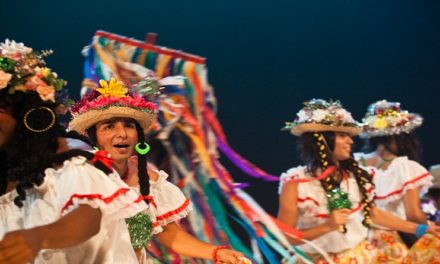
45, 71
380, 123
113, 88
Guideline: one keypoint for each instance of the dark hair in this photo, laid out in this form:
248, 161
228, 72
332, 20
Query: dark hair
406, 143
29, 153
310, 150
317, 152
143, 177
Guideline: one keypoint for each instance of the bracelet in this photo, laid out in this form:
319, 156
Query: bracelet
421, 230
215, 251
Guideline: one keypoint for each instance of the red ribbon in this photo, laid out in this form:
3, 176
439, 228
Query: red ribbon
322, 176
103, 157
150, 199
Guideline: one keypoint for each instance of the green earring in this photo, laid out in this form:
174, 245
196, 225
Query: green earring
142, 151
96, 148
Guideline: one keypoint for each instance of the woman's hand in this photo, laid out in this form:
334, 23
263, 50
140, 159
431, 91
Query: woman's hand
20, 246
231, 256
338, 217
434, 229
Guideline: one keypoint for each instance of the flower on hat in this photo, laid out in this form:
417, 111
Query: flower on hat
387, 118
13, 50
321, 111
4, 79
380, 123
320, 115
47, 93
113, 88
112, 93
22, 69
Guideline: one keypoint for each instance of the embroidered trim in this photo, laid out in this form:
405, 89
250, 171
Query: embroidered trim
174, 212
106, 200
308, 199
403, 187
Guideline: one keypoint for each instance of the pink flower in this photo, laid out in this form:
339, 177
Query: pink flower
4, 79
47, 93
107, 101
33, 82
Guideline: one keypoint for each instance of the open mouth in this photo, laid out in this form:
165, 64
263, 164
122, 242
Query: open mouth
121, 146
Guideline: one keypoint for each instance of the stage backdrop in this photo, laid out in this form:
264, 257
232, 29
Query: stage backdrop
265, 58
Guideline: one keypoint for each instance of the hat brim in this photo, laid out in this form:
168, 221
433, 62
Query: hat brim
300, 129
370, 132
90, 118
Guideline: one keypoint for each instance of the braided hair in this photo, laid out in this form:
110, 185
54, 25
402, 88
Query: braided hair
143, 177
316, 149
33, 145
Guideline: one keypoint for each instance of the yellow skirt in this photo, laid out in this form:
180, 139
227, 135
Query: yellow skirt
363, 253
425, 250
390, 245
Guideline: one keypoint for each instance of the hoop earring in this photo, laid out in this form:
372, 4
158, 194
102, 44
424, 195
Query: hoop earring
52, 114
142, 151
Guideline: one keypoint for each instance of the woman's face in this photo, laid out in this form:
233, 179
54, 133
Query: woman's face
117, 136
7, 126
343, 144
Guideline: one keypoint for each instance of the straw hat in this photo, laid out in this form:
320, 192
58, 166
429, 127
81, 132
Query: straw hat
112, 99
319, 115
385, 118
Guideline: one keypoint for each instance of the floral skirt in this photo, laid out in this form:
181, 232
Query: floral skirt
363, 253
425, 250
390, 245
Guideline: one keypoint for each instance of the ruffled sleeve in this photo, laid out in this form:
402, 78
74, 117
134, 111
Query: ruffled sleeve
401, 176
291, 174
78, 182
169, 204
311, 196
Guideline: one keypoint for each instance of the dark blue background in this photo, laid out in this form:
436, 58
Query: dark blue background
265, 58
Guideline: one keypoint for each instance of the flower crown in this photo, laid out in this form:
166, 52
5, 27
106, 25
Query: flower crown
385, 118
318, 111
113, 93
22, 69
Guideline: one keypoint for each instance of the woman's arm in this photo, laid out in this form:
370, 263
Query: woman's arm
185, 244
288, 214
413, 210
391, 221
22, 246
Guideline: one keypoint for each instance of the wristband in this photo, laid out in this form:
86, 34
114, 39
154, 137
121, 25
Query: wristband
215, 251
421, 230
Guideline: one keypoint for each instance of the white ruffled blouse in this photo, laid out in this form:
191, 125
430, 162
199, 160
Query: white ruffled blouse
167, 204
313, 210
77, 182
401, 175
